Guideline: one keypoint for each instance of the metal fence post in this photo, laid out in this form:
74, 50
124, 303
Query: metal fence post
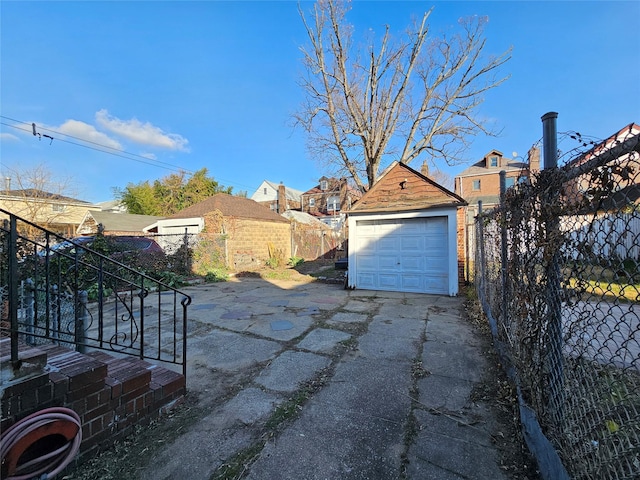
554, 289
29, 314
13, 288
54, 329
480, 253
81, 321
503, 248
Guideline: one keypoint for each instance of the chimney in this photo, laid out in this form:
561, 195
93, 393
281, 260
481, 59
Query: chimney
424, 170
7, 184
282, 198
534, 159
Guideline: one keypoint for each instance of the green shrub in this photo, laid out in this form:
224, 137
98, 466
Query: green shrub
295, 261
217, 275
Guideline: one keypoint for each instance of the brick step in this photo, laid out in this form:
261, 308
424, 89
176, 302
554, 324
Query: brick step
130, 375
83, 374
34, 357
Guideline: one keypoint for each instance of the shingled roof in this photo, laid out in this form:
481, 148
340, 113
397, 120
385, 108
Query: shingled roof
230, 206
120, 222
401, 188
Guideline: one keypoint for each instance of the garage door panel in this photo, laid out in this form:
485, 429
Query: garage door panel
388, 281
411, 243
413, 263
436, 284
387, 244
366, 281
403, 255
367, 263
412, 283
388, 262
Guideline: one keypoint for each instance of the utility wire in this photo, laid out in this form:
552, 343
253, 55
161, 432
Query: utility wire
103, 148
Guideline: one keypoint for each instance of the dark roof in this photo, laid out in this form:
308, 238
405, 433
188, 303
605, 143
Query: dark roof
230, 206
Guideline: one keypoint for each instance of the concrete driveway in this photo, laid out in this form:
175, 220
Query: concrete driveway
310, 381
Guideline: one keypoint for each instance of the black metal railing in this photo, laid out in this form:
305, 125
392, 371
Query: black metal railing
87, 295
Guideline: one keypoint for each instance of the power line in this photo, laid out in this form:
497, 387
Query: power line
103, 148
109, 150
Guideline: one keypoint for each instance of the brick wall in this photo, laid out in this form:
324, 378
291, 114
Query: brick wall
248, 242
111, 395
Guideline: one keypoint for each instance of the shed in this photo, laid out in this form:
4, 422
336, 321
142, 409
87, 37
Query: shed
250, 229
403, 235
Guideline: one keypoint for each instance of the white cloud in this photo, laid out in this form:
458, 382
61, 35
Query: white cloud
84, 131
148, 155
142, 133
7, 137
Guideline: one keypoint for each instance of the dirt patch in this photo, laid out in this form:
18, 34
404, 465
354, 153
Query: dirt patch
309, 271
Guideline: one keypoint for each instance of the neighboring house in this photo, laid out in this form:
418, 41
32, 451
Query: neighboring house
329, 199
52, 211
250, 230
277, 197
115, 223
613, 185
404, 235
481, 181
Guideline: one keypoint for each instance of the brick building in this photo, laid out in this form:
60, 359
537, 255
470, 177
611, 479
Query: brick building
481, 182
329, 199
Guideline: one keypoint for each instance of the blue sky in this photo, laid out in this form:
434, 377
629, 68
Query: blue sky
179, 84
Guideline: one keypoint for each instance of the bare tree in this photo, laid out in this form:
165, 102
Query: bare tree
394, 100
36, 195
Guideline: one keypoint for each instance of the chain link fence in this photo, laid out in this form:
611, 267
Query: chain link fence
557, 270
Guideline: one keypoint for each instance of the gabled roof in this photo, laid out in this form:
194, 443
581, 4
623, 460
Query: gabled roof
121, 222
291, 193
401, 188
230, 206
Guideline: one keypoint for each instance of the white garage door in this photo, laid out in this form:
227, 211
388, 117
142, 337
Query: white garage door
403, 255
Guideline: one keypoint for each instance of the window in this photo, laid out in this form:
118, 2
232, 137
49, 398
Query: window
476, 184
312, 202
493, 161
323, 185
264, 191
509, 182
333, 203
58, 208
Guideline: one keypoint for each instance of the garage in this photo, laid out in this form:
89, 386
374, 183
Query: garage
403, 236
